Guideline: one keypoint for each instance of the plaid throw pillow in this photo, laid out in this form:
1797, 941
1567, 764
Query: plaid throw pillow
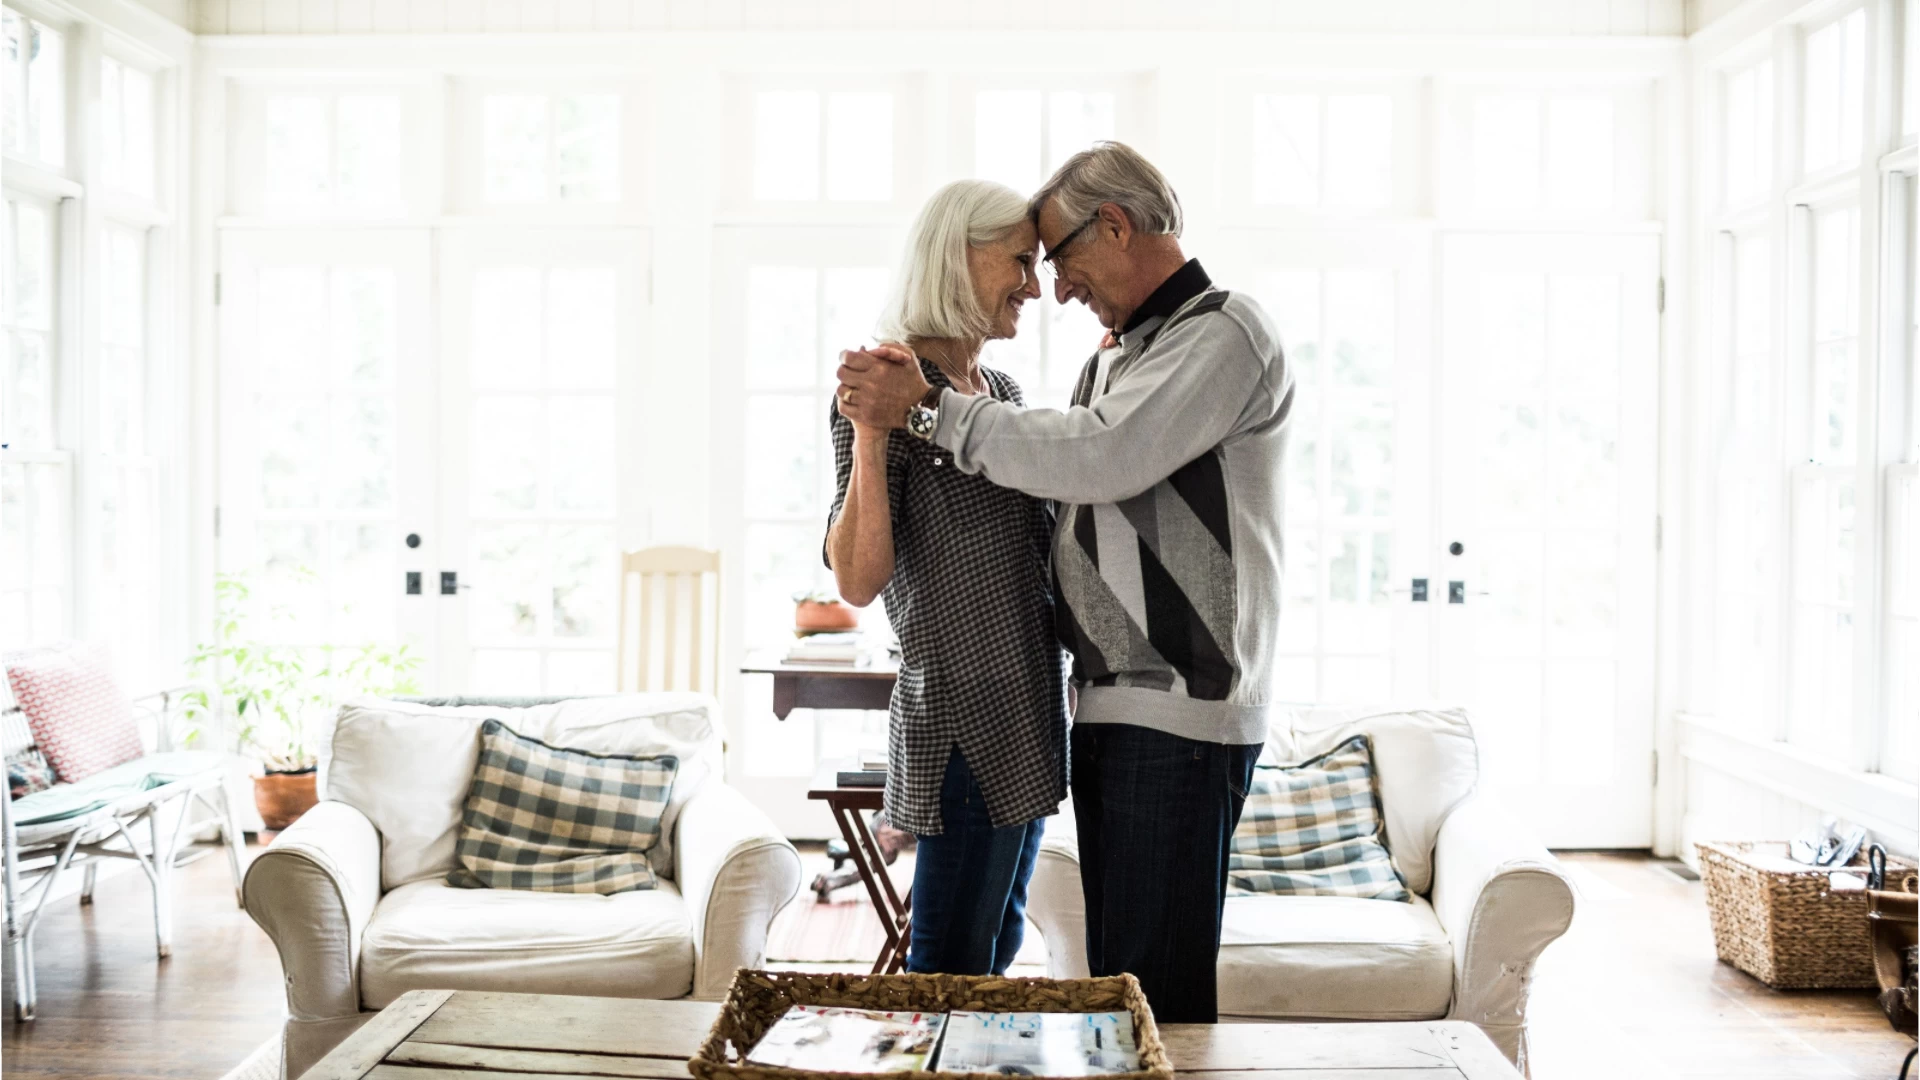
548, 819
1313, 829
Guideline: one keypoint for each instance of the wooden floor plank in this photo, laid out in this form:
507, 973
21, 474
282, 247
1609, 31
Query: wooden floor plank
414, 1072
417, 1052
657, 1029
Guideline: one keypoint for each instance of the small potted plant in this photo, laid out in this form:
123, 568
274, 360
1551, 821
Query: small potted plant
821, 612
278, 696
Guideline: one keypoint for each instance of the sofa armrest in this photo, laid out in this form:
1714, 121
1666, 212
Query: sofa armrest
1503, 899
1055, 904
736, 872
313, 892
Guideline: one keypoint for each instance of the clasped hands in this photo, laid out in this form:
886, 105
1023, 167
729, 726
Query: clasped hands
879, 385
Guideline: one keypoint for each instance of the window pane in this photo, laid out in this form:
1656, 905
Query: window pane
1359, 150
121, 393
1749, 119
1835, 84
1580, 153
859, 147
364, 324
784, 443
585, 580
852, 301
126, 114
507, 321
1836, 298
1910, 72
506, 583
516, 147
1286, 149
1359, 334
1006, 138
1075, 121
35, 98
786, 146
782, 332
580, 458
582, 326
506, 471
299, 173
368, 152
587, 147
1506, 153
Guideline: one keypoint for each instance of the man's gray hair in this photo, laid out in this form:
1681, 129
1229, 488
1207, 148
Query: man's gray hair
1112, 172
932, 295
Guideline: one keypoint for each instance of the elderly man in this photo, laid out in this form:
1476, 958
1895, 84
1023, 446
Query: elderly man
1166, 557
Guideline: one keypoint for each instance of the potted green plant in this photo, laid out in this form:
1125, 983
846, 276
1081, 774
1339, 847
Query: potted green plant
821, 612
278, 696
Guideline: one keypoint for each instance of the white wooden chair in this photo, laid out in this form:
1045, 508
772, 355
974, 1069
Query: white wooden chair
681, 587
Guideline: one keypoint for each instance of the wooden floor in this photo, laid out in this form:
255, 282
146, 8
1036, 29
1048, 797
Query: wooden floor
1632, 991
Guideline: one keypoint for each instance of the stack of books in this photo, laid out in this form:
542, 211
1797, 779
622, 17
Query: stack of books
868, 768
849, 648
818, 1039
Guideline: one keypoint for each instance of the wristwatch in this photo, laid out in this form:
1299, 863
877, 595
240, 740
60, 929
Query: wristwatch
924, 416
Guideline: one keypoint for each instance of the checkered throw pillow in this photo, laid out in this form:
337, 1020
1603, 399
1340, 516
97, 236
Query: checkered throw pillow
1314, 829
549, 819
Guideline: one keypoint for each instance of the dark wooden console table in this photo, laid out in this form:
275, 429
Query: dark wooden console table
824, 686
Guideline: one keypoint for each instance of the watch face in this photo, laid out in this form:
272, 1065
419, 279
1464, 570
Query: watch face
921, 422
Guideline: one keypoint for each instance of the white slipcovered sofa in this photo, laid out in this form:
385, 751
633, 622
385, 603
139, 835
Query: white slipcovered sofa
354, 894
1488, 897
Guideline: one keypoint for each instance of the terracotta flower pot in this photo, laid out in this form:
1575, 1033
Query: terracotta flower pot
813, 617
281, 797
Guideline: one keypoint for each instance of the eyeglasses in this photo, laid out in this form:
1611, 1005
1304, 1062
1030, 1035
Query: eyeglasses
1051, 260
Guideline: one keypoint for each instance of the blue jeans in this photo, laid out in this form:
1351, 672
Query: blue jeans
1156, 815
970, 884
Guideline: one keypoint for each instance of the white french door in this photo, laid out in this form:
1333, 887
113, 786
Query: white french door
326, 460
1544, 561
1352, 310
541, 448
438, 458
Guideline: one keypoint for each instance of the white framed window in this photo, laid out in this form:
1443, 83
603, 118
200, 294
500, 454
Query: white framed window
35, 116
548, 149
1747, 484
1020, 136
823, 149
127, 162
1747, 115
1910, 71
329, 150
1556, 151
1314, 149
36, 472
1833, 63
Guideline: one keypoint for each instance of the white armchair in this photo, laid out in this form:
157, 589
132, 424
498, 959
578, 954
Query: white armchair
355, 900
1488, 898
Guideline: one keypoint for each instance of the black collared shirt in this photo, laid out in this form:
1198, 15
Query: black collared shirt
1186, 283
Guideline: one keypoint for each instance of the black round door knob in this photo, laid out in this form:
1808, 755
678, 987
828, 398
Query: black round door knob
413, 540
1456, 548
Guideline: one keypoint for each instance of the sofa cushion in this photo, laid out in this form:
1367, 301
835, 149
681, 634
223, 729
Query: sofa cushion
429, 935
1313, 829
1333, 958
1425, 763
556, 820
408, 766
80, 718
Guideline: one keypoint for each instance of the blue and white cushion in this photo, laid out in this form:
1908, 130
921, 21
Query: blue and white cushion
551, 819
1314, 829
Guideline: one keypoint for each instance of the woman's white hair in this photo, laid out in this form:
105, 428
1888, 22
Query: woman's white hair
932, 294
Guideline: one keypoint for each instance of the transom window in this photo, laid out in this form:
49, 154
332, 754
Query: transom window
126, 112
808, 144
1748, 109
552, 147
1021, 136
1323, 150
1835, 66
1543, 152
332, 151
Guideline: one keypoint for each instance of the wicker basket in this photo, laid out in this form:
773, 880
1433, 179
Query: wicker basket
1780, 923
759, 998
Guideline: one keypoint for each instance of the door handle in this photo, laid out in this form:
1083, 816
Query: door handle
450, 583
1418, 590
1457, 592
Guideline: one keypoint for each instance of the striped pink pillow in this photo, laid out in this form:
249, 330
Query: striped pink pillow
80, 718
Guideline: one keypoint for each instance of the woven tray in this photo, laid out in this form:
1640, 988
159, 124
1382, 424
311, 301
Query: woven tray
1783, 924
759, 998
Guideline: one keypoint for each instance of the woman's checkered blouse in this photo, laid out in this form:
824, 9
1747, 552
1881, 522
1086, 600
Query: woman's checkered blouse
972, 600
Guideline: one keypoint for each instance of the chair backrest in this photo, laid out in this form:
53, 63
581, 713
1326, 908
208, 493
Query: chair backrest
681, 585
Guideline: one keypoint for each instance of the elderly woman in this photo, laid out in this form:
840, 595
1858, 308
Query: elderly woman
977, 743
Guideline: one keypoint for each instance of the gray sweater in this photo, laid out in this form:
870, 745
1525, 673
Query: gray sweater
1167, 554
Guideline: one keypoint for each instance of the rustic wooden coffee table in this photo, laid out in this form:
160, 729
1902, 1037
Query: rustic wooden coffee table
468, 1035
